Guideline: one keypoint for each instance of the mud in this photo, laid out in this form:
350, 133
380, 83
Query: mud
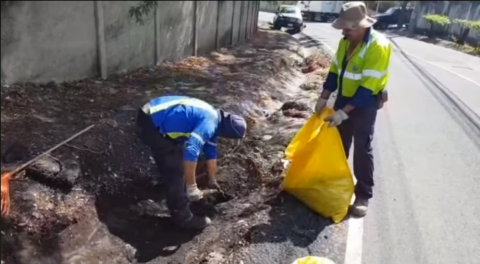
99, 198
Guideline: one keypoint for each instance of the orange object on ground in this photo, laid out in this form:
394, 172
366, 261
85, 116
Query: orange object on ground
6, 177
6, 193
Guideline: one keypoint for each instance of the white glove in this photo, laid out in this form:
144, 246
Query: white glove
193, 193
321, 103
336, 118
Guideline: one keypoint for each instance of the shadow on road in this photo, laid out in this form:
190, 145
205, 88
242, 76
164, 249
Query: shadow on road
286, 225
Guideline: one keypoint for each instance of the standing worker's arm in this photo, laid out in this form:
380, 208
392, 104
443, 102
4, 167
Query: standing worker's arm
329, 86
331, 83
198, 139
374, 74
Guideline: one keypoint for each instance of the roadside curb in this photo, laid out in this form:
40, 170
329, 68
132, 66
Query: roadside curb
315, 44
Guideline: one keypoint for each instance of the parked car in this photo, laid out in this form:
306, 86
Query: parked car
288, 16
391, 17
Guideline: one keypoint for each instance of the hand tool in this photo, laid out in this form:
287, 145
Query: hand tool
7, 176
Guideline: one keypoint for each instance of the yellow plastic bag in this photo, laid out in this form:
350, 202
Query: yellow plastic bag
313, 260
319, 174
306, 134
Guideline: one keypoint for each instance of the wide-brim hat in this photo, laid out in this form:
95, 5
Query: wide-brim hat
353, 15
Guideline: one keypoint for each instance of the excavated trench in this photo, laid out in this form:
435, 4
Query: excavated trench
100, 199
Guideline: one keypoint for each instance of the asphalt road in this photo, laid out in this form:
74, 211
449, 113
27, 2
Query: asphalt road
426, 205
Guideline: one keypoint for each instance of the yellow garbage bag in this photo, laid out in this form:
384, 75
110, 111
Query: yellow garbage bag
306, 134
319, 174
313, 260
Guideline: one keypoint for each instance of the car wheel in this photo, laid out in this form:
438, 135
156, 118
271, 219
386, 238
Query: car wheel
310, 17
382, 26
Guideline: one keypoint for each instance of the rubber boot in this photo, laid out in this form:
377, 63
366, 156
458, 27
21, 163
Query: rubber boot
359, 208
195, 222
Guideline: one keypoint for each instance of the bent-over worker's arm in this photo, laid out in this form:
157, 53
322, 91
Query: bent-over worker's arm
210, 151
374, 74
199, 136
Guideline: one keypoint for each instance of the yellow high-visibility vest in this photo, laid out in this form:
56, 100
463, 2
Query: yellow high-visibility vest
368, 66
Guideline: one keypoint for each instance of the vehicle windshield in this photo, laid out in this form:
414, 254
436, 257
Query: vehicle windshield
288, 10
390, 10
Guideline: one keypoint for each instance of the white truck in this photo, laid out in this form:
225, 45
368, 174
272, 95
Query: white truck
320, 10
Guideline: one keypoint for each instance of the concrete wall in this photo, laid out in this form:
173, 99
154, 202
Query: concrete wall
236, 21
175, 31
469, 10
48, 40
58, 41
226, 9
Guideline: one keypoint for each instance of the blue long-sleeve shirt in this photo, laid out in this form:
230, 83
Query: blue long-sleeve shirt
362, 98
188, 120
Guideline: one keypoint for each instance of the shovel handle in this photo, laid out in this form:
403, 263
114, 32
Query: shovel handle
28, 163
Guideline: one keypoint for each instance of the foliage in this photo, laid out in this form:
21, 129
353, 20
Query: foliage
474, 25
467, 26
462, 22
437, 19
143, 8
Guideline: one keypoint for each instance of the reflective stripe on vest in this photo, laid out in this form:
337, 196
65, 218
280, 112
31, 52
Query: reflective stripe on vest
186, 101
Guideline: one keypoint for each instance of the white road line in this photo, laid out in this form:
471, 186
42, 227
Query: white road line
353, 252
442, 67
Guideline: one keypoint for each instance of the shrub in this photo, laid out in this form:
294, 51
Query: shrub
468, 26
437, 19
464, 30
437, 23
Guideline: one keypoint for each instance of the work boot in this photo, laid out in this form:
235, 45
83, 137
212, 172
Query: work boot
196, 223
359, 208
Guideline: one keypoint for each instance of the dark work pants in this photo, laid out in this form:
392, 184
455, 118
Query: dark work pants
359, 127
168, 156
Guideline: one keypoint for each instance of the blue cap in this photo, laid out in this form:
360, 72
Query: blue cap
232, 126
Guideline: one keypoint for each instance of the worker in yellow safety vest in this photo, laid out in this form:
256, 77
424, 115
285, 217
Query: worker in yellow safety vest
359, 72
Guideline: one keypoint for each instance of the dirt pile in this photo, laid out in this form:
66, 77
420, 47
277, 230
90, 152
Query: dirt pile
316, 67
316, 61
99, 199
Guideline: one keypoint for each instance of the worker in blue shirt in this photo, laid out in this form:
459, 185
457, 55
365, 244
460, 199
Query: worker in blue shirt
177, 129
359, 72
